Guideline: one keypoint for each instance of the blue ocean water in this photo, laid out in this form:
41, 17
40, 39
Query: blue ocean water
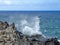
49, 20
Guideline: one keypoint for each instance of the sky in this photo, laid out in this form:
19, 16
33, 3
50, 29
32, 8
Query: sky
30, 5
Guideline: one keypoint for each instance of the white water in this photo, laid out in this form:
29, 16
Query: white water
30, 25
59, 40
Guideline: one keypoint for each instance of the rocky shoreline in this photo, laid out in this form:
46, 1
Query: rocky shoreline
10, 36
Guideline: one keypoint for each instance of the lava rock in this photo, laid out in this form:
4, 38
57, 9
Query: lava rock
10, 36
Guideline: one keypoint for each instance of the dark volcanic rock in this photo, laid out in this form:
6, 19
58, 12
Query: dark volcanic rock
3, 25
52, 41
7, 34
10, 36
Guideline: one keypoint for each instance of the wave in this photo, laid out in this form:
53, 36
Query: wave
26, 24
59, 40
30, 25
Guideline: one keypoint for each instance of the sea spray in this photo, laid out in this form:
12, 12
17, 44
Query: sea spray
59, 40
28, 25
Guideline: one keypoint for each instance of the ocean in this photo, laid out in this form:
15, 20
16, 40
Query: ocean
34, 22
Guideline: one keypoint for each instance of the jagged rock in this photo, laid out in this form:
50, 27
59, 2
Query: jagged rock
3, 25
7, 33
52, 41
10, 36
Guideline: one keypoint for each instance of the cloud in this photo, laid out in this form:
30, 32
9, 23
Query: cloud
29, 4
24, 2
8, 2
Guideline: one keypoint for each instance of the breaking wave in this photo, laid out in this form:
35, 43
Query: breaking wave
28, 25
59, 40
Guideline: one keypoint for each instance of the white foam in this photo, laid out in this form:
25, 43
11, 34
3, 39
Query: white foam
30, 25
59, 40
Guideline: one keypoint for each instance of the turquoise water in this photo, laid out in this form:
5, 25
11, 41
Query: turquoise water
50, 26
49, 21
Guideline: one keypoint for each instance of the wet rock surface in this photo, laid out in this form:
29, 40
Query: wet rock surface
10, 36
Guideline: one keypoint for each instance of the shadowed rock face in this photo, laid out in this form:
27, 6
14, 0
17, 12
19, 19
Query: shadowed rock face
10, 36
52, 41
7, 34
3, 25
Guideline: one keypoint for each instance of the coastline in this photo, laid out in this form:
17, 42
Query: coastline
10, 36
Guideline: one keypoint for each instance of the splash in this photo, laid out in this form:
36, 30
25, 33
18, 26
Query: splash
30, 25
59, 40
